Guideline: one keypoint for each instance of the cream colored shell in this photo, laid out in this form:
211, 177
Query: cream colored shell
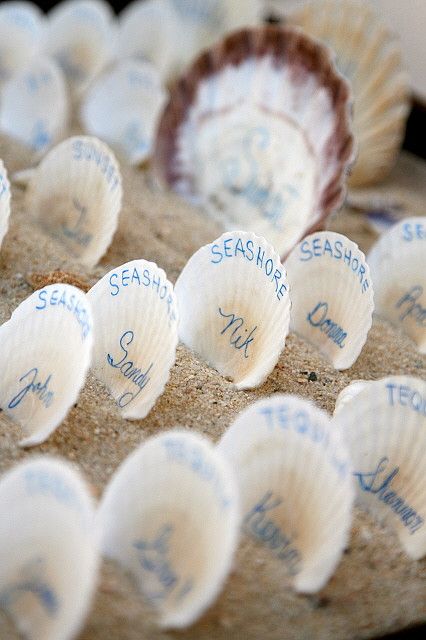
4, 201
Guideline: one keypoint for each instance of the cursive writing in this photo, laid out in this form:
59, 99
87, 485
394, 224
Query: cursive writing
39, 389
318, 318
412, 307
77, 233
129, 370
236, 336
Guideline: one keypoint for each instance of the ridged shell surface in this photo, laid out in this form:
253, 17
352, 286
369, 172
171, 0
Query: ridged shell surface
295, 483
398, 270
75, 193
4, 201
384, 427
136, 335
369, 57
332, 295
234, 307
170, 515
45, 354
257, 132
48, 549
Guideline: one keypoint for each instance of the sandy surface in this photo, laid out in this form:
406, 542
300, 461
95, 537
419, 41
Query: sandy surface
375, 588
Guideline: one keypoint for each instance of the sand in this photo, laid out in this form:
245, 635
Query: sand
376, 588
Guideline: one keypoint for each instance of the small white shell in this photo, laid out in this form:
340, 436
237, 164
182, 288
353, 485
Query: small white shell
122, 107
234, 306
4, 201
75, 193
48, 549
369, 56
348, 394
81, 37
170, 515
295, 485
45, 355
135, 315
147, 30
398, 269
332, 295
20, 33
384, 426
34, 105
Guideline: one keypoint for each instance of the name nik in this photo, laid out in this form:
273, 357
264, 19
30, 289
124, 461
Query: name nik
236, 332
39, 389
129, 370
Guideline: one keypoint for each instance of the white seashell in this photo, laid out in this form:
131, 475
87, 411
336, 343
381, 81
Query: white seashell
348, 394
23, 112
384, 426
44, 357
48, 548
80, 35
122, 107
295, 485
75, 193
21, 26
170, 515
332, 295
4, 201
147, 30
257, 132
135, 315
398, 269
369, 57
234, 307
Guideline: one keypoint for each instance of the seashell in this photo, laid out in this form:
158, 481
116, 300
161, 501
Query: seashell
122, 107
384, 426
135, 350
170, 515
23, 112
295, 485
75, 193
48, 550
332, 296
147, 31
234, 307
43, 373
80, 36
369, 57
398, 269
348, 394
21, 26
4, 201
240, 134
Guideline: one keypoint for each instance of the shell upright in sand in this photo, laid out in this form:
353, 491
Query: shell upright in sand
234, 307
384, 427
48, 549
332, 295
296, 488
170, 515
136, 335
257, 132
4, 201
370, 59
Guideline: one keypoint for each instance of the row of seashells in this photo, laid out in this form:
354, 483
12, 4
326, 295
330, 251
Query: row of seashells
285, 70
283, 474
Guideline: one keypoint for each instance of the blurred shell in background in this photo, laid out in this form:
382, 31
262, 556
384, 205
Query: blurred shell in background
258, 132
370, 59
4, 201
21, 26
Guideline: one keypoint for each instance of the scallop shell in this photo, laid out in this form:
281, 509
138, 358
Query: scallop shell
348, 394
75, 193
170, 516
42, 373
80, 36
234, 307
23, 113
332, 295
20, 34
4, 201
384, 426
123, 106
135, 315
295, 485
398, 270
257, 132
48, 548
369, 57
